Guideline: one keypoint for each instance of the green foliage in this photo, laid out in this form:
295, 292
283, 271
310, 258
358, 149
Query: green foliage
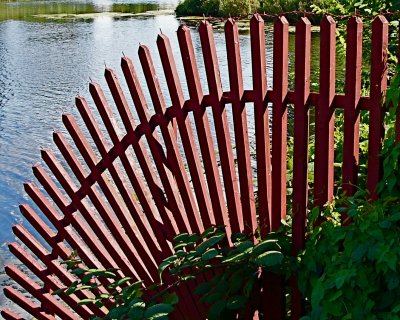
198, 8
125, 296
237, 8
349, 268
238, 269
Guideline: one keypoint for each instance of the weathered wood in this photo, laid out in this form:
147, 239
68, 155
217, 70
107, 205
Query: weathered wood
324, 115
279, 121
202, 127
300, 150
261, 121
352, 113
378, 83
248, 214
221, 128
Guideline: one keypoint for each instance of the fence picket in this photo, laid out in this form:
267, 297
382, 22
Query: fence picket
300, 152
378, 84
174, 160
279, 121
351, 112
261, 121
248, 214
221, 128
202, 127
185, 130
325, 116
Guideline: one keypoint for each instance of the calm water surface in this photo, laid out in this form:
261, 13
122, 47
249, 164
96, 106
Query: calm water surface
47, 60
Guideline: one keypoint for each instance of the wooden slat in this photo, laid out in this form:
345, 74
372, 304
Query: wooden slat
301, 130
49, 281
26, 304
248, 213
351, 112
174, 160
261, 121
122, 247
185, 130
202, 127
218, 214
174, 200
118, 220
49, 302
10, 315
378, 82
98, 251
324, 115
50, 260
221, 127
140, 152
273, 293
153, 229
279, 121
300, 153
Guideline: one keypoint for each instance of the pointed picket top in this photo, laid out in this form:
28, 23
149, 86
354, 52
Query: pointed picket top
234, 59
189, 63
210, 59
170, 71
135, 89
257, 36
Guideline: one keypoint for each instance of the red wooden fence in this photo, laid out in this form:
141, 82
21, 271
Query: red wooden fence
121, 198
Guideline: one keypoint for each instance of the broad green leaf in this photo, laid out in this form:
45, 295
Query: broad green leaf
181, 237
158, 310
86, 301
209, 254
270, 244
118, 312
269, 259
202, 247
119, 282
78, 271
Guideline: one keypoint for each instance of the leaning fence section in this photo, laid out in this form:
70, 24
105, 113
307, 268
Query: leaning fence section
119, 199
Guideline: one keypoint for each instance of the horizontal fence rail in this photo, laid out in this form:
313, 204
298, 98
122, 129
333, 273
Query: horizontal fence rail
118, 190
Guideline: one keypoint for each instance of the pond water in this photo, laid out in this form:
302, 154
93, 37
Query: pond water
48, 52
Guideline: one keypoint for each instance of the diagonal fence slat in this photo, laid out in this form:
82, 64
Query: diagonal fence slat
202, 127
173, 158
246, 217
261, 122
185, 131
221, 128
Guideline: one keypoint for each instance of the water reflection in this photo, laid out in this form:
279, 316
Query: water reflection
43, 10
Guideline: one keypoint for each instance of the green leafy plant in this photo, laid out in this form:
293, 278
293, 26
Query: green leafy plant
350, 266
122, 297
237, 268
